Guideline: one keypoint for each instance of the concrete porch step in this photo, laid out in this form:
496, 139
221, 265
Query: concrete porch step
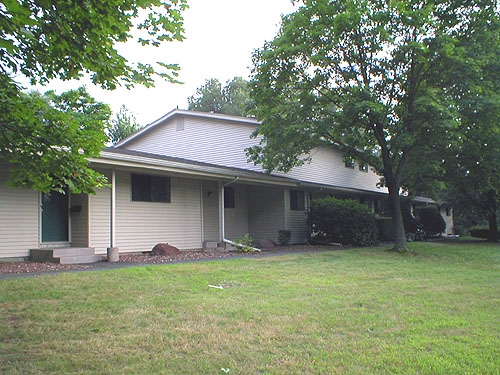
66, 255
214, 245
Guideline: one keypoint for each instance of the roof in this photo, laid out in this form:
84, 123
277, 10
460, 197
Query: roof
137, 159
180, 112
142, 160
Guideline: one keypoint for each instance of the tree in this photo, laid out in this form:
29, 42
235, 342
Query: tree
211, 97
366, 77
123, 125
208, 97
64, 39
58, 134
45, 138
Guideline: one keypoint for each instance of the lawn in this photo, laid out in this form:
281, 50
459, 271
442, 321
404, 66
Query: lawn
358, 311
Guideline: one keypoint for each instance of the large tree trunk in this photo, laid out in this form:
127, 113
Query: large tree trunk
400, 245
492, 217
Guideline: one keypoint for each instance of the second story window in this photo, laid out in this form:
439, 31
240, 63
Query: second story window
349, 163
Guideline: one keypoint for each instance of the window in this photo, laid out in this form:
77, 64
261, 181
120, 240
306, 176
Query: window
229, 197
363, 167
349, 163
150, 188
297, 200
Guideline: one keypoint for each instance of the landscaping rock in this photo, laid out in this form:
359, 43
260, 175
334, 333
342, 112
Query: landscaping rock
165, 249
264, 243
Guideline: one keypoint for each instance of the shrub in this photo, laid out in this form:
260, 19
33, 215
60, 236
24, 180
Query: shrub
431, 220
480, 232
284, 237
244, 244
344, 221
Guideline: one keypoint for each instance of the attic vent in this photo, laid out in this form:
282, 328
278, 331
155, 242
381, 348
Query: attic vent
180, 124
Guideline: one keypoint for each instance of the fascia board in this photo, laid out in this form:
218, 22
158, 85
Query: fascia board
133, 161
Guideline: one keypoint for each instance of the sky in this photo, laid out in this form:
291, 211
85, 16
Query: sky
220, 38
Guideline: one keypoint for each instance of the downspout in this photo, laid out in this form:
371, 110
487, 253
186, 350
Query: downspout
222, 216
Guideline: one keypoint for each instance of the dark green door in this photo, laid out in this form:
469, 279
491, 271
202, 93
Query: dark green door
54, 217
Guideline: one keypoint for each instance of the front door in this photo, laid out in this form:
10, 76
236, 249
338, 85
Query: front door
55, 227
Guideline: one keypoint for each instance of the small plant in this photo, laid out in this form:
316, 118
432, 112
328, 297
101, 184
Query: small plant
244, 244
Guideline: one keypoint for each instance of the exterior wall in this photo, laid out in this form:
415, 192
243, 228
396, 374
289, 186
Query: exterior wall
99, 218
211, 211
296, 221
142, 225
223, 142
201, 139
328, 168
19, 220
236, 219
266, 212
79, 220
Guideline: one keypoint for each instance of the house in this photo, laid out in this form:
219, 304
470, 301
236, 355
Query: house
182, 180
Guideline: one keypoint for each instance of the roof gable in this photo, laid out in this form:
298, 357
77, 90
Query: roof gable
177, 113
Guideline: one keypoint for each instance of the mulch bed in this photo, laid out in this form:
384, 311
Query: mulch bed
27, 267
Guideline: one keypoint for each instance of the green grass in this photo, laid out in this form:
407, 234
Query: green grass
360, 311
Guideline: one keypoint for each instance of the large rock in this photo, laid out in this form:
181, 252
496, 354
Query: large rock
264, 243
165, 249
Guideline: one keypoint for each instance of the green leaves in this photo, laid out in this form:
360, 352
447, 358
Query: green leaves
384, 81
47, 139
65, 39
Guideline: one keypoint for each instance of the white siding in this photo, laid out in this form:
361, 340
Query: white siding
99, 220
236, 219
205, 140
19, 220
327, 167
142, 225
211, 211
224, 142
266, 212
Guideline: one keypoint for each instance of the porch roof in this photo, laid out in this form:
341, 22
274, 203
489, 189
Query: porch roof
118, 157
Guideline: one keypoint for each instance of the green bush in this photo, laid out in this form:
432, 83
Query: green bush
480, 232
431, 220
344, 221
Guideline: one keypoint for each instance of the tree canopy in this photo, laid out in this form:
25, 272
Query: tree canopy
47, 138
58, 133
64, 39
373, 78
232, 99
122, 125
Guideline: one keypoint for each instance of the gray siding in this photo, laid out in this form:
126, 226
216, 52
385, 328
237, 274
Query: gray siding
19, 220
211, 211
79, 220
141, 225
296, 221
327, 167
205, 140
224, 143
266, 212
236, 219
